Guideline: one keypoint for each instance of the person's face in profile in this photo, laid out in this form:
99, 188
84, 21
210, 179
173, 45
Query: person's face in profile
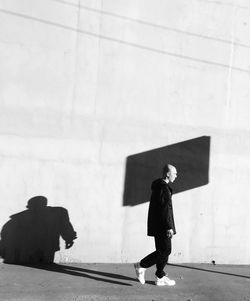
172, 174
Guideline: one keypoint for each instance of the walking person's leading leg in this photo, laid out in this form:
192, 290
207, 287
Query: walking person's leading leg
163, 247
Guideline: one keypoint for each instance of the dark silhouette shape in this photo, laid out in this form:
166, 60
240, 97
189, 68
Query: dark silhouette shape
191, 159
207, 270
82, 272
32, 236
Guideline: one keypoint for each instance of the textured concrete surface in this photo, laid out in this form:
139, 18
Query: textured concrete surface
86, 84
117, 282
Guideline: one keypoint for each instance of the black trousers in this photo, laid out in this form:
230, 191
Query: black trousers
159, 257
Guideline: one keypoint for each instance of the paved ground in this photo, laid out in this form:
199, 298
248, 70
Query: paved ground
112, 282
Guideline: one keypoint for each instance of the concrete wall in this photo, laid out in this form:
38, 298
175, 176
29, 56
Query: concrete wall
85, 84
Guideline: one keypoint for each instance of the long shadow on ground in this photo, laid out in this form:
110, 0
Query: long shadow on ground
80, 272
208, 270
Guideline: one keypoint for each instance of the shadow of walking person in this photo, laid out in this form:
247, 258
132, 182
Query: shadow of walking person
32, 236
85, 273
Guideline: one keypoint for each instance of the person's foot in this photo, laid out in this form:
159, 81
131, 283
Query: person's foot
164, 281
140, 272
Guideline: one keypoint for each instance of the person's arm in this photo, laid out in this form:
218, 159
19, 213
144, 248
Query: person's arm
67, 231
166, 211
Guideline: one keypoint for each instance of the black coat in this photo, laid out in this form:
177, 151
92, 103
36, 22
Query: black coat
160, 213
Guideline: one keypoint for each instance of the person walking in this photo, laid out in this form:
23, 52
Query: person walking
161, 226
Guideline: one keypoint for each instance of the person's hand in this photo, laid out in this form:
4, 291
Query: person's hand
170, 233
68, 244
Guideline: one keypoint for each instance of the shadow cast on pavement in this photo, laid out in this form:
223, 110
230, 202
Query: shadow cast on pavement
208, 270
80, 272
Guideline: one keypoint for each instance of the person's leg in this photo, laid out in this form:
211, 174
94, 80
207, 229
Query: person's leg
146, 262
158, 257
163, 250
149, 260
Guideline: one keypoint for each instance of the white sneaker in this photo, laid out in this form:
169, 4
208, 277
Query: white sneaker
164, 281
140, 272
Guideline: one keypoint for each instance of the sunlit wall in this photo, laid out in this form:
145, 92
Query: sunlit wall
86, 84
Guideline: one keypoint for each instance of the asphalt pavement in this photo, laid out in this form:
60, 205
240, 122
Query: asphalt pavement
112, 282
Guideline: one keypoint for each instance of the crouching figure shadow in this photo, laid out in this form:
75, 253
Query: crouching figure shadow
33, 235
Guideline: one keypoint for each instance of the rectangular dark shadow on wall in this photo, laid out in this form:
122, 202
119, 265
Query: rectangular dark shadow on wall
190, 157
